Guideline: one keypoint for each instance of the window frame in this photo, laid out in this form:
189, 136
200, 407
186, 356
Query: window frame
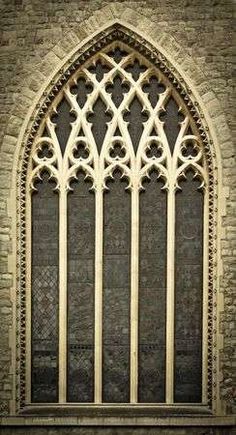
23, 278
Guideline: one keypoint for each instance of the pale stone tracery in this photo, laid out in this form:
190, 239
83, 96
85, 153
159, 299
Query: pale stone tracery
134, 167
162, 163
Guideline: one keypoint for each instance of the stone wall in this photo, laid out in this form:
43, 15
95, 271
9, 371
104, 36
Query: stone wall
118, 431
35, 38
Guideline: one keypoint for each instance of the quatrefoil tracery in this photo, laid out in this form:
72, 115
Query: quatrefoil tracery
118, 90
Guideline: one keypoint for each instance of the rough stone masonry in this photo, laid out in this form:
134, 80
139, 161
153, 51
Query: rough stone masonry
35, 38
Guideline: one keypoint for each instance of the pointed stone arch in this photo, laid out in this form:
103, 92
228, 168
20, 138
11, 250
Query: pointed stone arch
121, 32
24, 109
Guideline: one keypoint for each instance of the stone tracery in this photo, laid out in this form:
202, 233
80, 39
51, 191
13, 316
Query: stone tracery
152, 151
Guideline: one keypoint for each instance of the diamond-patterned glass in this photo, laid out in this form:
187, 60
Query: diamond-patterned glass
81, 246
44, 293
116, 297
188, 292
152, 292
130, 223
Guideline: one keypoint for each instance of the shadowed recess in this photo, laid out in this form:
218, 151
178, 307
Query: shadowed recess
188, 292
117, 151
153, 150
44, 287
135, 116
81, 248
82, 89
80, 152
63, 119
99, 119
172, 118
152, 291
190, 147
117, 89
116, 296
136, 68
153, 88
99, 70
117, 132
45, 151
117, 54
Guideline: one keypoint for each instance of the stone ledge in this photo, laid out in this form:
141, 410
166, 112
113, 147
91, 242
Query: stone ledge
120, 421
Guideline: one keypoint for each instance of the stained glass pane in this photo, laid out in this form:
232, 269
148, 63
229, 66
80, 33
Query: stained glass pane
114, 77
99, 69
117, 54
81, 89
135, 117
188, 292
136, 69
171, 118
81, 246
117, 89
153, 88
63, 119
116, 297
152, 292
44, 293
99, 119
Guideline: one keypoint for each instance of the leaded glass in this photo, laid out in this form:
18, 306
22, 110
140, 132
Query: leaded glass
117, 54
117, 89
188, 292
81, 89
153, 88
152, 292
99, 118
116, 305
172, 118
81, 243
135, 117
62, 120
117, 273
44, 292
135, 69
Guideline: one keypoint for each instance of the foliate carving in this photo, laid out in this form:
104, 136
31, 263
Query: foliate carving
125, 85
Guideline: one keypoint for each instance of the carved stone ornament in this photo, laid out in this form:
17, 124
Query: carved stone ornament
118, 107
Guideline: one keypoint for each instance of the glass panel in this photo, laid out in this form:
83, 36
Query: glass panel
172, 119
63, 119
136, 69
117, 54
99, 119
135, 117
153, 88
152, 292
99, 70
117, 89
44, 292
81, 246
81, 90
116, 298
188, 292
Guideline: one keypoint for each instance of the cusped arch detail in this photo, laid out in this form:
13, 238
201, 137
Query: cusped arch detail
121, 33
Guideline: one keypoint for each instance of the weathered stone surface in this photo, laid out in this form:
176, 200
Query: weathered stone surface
35, 37
116, 431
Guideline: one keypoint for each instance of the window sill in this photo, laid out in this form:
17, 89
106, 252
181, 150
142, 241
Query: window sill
114, 420
116, 410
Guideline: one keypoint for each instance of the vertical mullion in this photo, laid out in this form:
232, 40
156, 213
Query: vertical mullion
170, 295
134, 295
98, 295
63, 295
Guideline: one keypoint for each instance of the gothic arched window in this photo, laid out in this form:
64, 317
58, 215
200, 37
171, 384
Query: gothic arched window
117, 211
